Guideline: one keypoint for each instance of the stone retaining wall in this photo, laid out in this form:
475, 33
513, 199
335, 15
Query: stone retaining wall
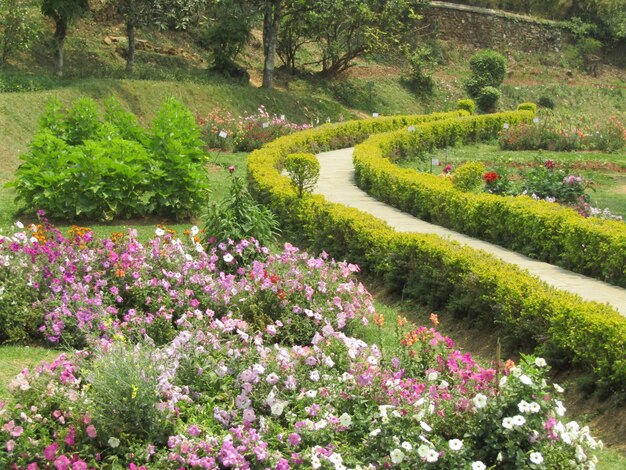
495, 29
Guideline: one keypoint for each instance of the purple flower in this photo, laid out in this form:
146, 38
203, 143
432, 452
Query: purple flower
194, 430
294, 439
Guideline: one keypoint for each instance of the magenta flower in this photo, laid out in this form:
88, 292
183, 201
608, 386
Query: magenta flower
62, 463
294, 439
50, 451
231, 168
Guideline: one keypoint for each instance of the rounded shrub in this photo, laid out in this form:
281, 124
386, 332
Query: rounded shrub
527, 106
469, 176
467, 105
304, 170
546, 102
488, 98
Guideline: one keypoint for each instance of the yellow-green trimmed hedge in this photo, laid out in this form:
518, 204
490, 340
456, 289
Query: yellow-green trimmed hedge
549, 232
441, 272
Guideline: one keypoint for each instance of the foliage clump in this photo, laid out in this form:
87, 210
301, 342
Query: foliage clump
239, 216
304, 170
467, 105
81, 165
469, 176
488, 71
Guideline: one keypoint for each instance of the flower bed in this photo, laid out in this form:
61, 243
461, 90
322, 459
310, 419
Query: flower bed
235, 358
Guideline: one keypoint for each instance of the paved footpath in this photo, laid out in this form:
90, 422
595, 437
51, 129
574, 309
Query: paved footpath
336, 183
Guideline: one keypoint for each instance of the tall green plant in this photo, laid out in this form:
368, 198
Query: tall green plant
18, 28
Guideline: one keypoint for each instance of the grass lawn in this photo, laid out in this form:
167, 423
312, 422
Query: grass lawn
606, 170
14, 358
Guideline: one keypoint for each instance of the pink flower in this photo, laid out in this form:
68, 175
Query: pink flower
194, 430
62, 463
294, 439
32, 466
231, 168
91, 431
79, 465
69, 439
50, 451
10, 445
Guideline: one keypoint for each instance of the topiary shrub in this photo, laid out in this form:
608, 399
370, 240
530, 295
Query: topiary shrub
304, 170
418, 75
469, 176
467, 105
527, 107
488, 70
487, 99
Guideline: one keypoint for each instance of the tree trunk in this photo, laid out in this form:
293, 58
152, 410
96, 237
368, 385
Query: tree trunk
59, 34
130, 55
271, 22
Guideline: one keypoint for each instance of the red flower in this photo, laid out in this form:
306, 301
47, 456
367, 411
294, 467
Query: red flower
490, 177
447, 169
549, 164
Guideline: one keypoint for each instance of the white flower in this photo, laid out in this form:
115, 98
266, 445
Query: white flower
519, 420
455, 444
580, 454
525, 379
314, 376
536, 458
159, 232
397, 456
540, 362
558, 388
194, 231
480, 400
228, 257
507, 423
345, 420
523, 406
432, 455
432, 376
19, 225
372, 360
425, 426
113, 442
335, 459
478, 465
560, 409
422, 450
534, 407
375, 432
311, 393
278, 408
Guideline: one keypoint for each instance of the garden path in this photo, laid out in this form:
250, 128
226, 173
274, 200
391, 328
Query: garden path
336, 183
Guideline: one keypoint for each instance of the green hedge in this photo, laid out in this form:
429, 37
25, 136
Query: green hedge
542, 230
440, 272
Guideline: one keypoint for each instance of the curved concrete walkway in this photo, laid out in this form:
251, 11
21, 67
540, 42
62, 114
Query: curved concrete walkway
336, 183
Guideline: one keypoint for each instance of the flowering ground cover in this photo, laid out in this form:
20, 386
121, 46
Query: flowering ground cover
229, 356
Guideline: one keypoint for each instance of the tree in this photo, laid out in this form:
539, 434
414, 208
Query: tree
272, 14
163, 14
63, 13
228, 32
17, 28
348, 29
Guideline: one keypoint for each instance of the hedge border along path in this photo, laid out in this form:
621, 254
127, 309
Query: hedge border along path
543, 230
336, 183
436, 271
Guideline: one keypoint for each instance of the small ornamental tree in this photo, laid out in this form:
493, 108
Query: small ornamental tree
488, 70
304, 170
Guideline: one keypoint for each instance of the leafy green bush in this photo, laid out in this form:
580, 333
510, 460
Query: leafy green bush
467, 105
418, 75
304, 170
546, 102
238, 216
487, 99
469, 176
80, 166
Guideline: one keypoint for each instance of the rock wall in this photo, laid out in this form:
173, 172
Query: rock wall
495, 29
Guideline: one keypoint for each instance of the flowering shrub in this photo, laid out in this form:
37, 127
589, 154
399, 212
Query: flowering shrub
244, 133
257, 369
550, 134
80, 288
229, 399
